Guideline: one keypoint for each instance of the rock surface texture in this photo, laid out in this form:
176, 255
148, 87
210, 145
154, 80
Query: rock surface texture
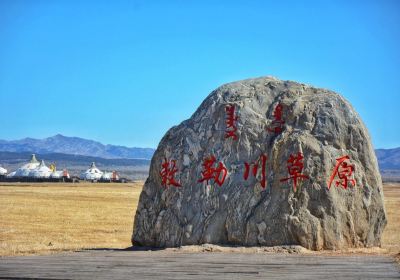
300, 170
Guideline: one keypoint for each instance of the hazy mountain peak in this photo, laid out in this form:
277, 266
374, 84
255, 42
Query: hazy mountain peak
58, 136
74, 145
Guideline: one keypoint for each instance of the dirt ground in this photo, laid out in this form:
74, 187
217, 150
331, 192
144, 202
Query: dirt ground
46, 218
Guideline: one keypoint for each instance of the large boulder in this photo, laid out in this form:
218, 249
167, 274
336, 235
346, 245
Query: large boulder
264, 162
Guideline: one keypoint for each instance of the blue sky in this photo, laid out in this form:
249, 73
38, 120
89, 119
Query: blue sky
124, 72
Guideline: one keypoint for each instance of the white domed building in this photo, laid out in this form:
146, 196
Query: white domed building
3, 171
26, 169
59, 174
93, 173
11, 174
42, 171
34, 170
110, 176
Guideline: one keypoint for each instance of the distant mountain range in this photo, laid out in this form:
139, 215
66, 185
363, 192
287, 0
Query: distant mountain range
23, 157
74, 146
388, 158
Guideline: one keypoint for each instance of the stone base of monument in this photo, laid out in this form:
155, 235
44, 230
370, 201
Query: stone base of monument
285, 249
290, 249
264, 162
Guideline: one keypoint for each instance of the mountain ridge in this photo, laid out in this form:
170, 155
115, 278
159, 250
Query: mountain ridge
388, 158
74, 146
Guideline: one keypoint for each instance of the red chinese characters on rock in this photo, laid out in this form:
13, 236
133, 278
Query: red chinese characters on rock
295, 167
210, 172
168, 170
277, 124
231, 119
343, 170
254, 168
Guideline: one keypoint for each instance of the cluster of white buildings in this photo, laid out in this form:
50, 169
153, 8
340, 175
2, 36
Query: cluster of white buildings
94, 174
38, 170
3, 171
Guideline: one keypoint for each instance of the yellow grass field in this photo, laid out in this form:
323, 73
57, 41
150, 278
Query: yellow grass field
391, 235
43, 218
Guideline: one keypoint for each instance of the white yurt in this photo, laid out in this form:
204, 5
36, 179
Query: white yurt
93, 173
110, 176
12, 174
42, 171
25, 170
3, 171
59, 174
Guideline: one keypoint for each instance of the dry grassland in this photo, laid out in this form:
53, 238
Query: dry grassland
391, 235
45, 218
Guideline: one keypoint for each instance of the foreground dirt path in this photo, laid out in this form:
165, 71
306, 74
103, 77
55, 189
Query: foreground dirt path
178, 265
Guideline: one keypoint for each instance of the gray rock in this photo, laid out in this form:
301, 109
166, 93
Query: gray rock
317, 124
